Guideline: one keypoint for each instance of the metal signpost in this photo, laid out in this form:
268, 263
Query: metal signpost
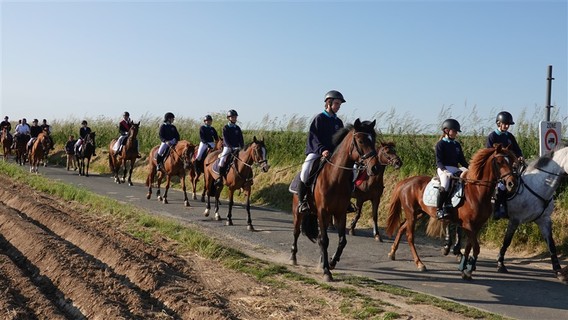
550, 132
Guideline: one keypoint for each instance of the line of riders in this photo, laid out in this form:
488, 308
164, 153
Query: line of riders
449, 153
24, 133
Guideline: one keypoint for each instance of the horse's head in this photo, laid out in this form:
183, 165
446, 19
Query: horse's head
43, 141
387, 155
185, 150
133, 132
494, 165
90, 138
362, 148
259, 153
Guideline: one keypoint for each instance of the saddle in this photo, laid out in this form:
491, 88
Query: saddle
229, 163
314, 172
456, 194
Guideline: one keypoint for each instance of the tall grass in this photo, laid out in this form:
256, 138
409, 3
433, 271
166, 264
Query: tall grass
285, 141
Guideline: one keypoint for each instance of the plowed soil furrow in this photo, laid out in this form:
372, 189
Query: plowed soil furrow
78, 278
162, 276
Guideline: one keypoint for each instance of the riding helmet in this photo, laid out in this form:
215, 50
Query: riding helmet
126, 114
451, 124
334, 94
232, 113
504, 117
168, 116
84, 122
207, 117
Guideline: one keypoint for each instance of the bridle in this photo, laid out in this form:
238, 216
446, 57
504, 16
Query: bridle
390, 158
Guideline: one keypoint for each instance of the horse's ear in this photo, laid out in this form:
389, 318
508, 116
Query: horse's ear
374, 123
138, 123
498, 147
254, 139
357, 123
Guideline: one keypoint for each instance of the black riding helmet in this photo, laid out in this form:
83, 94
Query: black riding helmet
126, 114
207, 117
84, 122
504, 117
451, 124
168, 116
334, 94
232, 113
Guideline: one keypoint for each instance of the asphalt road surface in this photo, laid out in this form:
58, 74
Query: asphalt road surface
528, 291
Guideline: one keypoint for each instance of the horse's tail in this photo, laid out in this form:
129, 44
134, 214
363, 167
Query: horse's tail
310, 226
110, 162
395, 210
434, 228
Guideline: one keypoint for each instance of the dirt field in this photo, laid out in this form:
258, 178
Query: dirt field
57, 263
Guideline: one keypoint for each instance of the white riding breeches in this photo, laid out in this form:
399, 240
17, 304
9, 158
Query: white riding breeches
307, 166
202, 148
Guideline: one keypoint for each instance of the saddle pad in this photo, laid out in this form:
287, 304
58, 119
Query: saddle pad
215, 167
293, 188
430, 195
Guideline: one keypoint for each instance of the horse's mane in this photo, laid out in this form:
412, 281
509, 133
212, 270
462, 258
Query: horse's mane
366, 127
478, 162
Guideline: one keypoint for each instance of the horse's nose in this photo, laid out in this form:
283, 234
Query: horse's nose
398, 164
265, 167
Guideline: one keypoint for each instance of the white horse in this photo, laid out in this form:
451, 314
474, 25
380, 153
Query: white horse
533, 202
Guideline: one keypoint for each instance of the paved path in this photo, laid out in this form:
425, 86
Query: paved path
529, 291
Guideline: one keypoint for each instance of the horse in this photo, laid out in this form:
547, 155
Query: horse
332, 191
487, 167
39, 148
21, 148
85, 153
176, 164
128, 155
6, 141
195, 172
239, 176
372, 186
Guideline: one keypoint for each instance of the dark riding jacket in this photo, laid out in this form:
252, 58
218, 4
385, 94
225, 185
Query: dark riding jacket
124, 126
208, 134
6, 124
83, 132
322, 129
233, 136
168, 132
35, 131
506, 139
449, 153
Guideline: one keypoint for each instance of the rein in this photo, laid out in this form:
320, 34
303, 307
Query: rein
255, 155
490, 183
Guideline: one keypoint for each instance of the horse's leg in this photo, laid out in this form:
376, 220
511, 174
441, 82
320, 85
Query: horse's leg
230, 213
297, 222
545, 226
207, 186
158, 192
396, 242
411, 225
375, 208
150, 182
467, 263
185, 199
124, 169
168, 181
249, 219
341, 220
217, 193
130, 172
87, 169
509, 233
356, 218
323, 241
194, 181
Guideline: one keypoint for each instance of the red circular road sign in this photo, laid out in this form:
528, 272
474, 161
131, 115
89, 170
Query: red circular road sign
550, 139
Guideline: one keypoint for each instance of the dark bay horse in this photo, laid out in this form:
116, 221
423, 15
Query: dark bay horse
6, 141
85, 153
39, 149
332, 191
176, 164
239, 176
127, 156
487, 167
21, 148
371, 188
195, 172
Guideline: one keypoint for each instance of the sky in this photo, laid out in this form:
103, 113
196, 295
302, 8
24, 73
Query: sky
419, 60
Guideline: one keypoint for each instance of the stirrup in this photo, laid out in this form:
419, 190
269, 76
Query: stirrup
442, 214
351, 208
303, 207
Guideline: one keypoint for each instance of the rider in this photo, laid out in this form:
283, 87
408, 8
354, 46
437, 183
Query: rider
169, 136
35, 130
124, 129
84, 131
319, 143
22, 129
208, 137
47, 129
232, 141
6, 124
502, 135
449, 155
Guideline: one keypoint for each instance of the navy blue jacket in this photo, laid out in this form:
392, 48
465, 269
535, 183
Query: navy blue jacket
84, 131
506, 139
322, 129
449, 153
233, 136
168, 132
208, 134
35, 131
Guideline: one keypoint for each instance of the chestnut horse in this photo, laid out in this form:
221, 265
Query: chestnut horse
6, 143
332, 191
239, 176
128, 155
372, 186
487, 167
176, 164
86, 151
39, 149
195, 173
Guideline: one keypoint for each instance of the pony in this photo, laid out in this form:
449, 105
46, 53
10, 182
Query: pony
21, 148
487, 167
195, 172
239, 176
331, 191
176, 164
533, 202
39, 149
6, 141
85, 153
128, 155
371, 186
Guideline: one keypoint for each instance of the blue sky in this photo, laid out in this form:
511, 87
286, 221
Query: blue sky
78, 59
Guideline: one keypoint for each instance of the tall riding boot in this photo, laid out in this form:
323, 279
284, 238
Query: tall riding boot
500, 204
159, 162
198, 164
222, 173
303, 206
440, 203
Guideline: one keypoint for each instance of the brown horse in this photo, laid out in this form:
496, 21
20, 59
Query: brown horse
21, 148
487, 167
39, 149
6, 141
127, 156
239, 176
195, 172
176, 164
332, 191
85, 153
371, 188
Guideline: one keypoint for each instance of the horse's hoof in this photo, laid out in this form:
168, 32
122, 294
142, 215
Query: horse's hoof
250, 227
422, 268
293, 261
130, 184
202, 199
502, 269
206, 212
186, 203
165, 201
160, 198
148, 196
229, 223
459, 256
351, 232
392, 256
327, 278
194, 197
445, 250
561, 276
466, 275
378, 238
217, 217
